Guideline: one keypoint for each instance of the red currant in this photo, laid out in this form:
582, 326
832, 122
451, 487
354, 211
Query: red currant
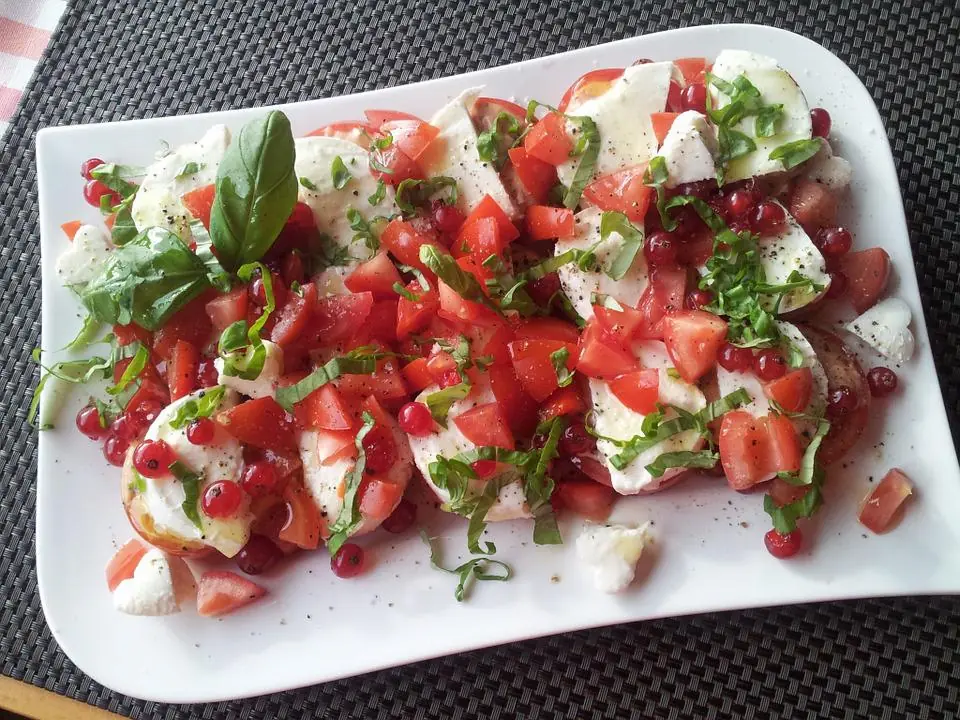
201, 431
379, 449
87, 167
740, 202
348, 561
446, 218
838, 286
542, 289
769, 364
145, 412
697, 299
415, 419
834, 242
768, 218
94, 190
882, 381
484, 468
222, 499
152, 458
575, 440
820, 119
694, 97
258, 555
259, 478
735, 359
127, 427
782, 545
115, 450
660, 249
88, 422
841, 401
402, 518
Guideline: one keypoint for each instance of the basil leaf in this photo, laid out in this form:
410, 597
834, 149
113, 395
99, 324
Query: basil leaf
87, 334
492, 144
439, 402
559, 359
116, 177
477, 568
217, 276
552, 264
190, 168
310, 184
453, 476
476, 526
656, 176
785, 518
459, 280
349, 517
793, 153
418, 274
767, 120
191, 491
132, 371
400, 290
249, 365
413, 193
359, 361
256, 190
567, 308
383, 142
74, 372
203, 407
611, 222
124, 229
682, 458
590, 137
331, 255
146, 281
538, 488
363, 230
379, 194
338, 171
377, 164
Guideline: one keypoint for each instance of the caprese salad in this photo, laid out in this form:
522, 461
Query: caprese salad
529, 309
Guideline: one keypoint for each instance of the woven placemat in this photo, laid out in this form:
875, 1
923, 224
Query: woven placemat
114, 59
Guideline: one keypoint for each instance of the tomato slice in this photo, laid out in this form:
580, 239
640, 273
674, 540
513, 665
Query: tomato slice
228, 308
621, 191
753, 450
621, 326
564, 401
488, 108
350, 130
124, 562
376, 275
586, 498
294, 316
547, 328
601, 358
792, 391
336, 317
881, 504
190, 323
411, 136
693, 339
220, 592
534, 366
662, 122
70, 228
403, 241
548, 140
199, 203
486, 425
376, 118
549, 223
638, 390
304, 524
182, 370
537, 177
386, 384
413, 316
397, 162
867, 273
785, 454
480, 238
588, 86
260, 422
692, 68
490, 208
417, 375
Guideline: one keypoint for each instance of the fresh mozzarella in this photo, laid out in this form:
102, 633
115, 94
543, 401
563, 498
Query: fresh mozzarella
793, 250
886, 328
583, 286
160, 584
265, 384
776, 86
611, 553
622, 115
829, 169
689, 149
84, 259
157, 202
219, 460
453, 153
511, 502
615, 420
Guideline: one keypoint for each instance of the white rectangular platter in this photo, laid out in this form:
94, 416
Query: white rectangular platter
708, 554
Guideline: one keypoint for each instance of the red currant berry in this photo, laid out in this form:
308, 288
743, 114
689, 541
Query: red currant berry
87, 167
820, 119
88, 422
735, 359
127, 427
115, 450
834, 242
768, 218
348, 561
415, 419
697, 299
145, 412
694, 97
660, 249
769, 364
838, 286
882, 381
221, 499
402, 518
152, 458
740, 202
575, 440
201, 431
782, 545
380, 450
94, 190
259, 478
446, 218
841, 401
258, 555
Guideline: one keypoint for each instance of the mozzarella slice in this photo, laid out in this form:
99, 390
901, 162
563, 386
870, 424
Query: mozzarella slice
454, 153
581, 286
776, 86
219, 460
160, 584
886, 328
84, 259
511, 502
265, 384
611, 553
613, 419
689, 149
157, 202
829, 169
793, 250
622, 115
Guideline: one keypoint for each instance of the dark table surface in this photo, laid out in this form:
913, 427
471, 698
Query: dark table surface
113, 60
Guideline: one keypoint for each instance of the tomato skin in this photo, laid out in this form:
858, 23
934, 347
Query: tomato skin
589, 85
294, 316
124, 562
380, 326
490, 208
190, 323
564, 401
662, 122
127, 334
417, 375
621, 326
220, 592
792, 391
621, 191
403, 241
182, 370
867, 273
586, 498
227, 309
304, 524
351, 131
692, 68
385, 384
753, 450
638, 390
693, 339
412, 137
401, 166
548, 140
260, 422
326, 409
336, 317
199, 203
376, 118
486, 425
601, 358
376, 275
479, 238
882, 503
414, 316
537, 177
549, 223
546, 328
534, 368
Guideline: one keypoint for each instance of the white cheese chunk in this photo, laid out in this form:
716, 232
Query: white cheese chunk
160, 584
157, 202
689, 149
84, 259
793, 250
611, 553
886, 328
829, 169
453, 153
265, 384
582, 286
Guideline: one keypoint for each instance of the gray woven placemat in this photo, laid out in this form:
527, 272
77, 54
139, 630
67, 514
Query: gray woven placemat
114, 60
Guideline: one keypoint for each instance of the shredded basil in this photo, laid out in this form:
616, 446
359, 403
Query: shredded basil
191, 491
615, 222
359, 361
132, 371
190, 168
413, 194
379, 194
439, 402
475, 569
349, 517
459, 280
793, 153
492, 144
559, 359
202, 407
308, 183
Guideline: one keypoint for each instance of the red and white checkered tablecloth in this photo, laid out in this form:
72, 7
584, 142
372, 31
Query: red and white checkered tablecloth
25, 27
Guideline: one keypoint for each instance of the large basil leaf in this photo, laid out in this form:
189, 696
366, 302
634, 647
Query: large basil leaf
256, 191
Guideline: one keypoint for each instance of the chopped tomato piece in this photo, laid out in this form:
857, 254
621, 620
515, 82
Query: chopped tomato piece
182, 370
376, 275
378, 498
881, 505
621, 191
351, 131
549, 223
792, 391
70, 228
124, 562
753, 450
304, 523
588, 86
537, 177
376, 118
381, 324
413, 316
519, 409
692, 68
338, 316
662, 122
326, 409
693, 339
534, 366
126, 334
565, 401
411, 136
336, 445
417, 375
638, 390
586, 498
600, 357
386, 384
295, 316
620, 325
396, 161
403, 241
548, 140
485, 425
867, 272
547, 328
260, 422
488, 109
199, 203
479, 238
220, 592
226, 309
190, 323
489, 208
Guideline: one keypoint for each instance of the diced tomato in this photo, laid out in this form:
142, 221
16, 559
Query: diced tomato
376, 275
294, 316
124, 562
693, 339
456, 308
190, 323
399, 165
586, 498
326, 409
70, 228
381, 417
378, 498
692, 68
638, 390
564, 401
881, 505
792, 391
867, 272
336, 445
753, 450
386, 384
381, 324
519, 409
413, 316
411, 136
549, 223
110, 220
588, 86
199, 203
182, 370
669, 284
696, 248
351, 131
485, 425
621, 326
403, 241
220, 592
600, 357
548, 140
377, 118
439, 364
489, 108
662, 122
489, 208
260, 422
479, 238
547, 328
534, 366
127, 334
336, 317
537, 177
621, 191
304, 524
152, 388
417, 375
226, 309
783, 493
